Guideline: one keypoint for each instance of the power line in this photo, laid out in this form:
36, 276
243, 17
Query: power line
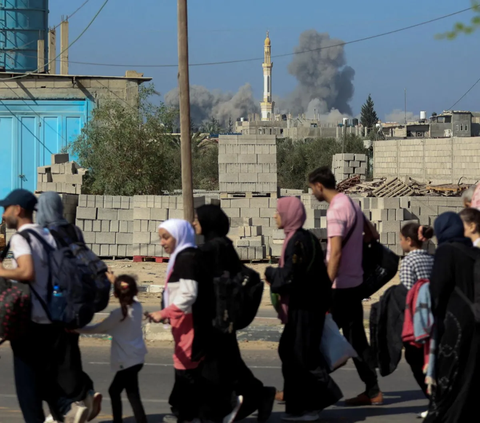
71, 45
464, 95
255, 59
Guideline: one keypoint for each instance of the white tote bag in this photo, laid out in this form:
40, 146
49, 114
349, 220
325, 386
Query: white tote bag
334, 347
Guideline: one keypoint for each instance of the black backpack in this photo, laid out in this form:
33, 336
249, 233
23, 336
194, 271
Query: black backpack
15, 307
71, 287
70, 236
237, 299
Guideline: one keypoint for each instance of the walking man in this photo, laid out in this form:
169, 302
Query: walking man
346, 225
41, 360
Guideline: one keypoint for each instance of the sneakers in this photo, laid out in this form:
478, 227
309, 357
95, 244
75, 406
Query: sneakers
307, 417
78, 413
49, 419
266, 406
93, 402
422, 415
229, 418
364, 400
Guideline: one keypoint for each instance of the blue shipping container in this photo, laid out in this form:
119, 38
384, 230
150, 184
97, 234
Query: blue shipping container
30, 132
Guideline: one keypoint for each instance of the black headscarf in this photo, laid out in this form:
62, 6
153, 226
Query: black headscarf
449, 228
214, 222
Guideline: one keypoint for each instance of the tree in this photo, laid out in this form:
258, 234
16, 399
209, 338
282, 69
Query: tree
369, 116
128, 150
296, 159
461, 28
213, 126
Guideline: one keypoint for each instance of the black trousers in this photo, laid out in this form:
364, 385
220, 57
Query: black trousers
347, 311
127, 380
187, 394
48, 367
415, 358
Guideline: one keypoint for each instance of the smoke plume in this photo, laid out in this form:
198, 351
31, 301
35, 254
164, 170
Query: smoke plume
398, 116
324, 80
221, 105
325, 86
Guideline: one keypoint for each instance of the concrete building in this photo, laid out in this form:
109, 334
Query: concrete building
451, 124
267, 105
42, 112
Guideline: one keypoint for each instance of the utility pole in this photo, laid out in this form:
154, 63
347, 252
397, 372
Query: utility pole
405, 106
184, 93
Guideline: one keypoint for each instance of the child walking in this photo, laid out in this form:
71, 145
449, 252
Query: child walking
128, 349
417, 264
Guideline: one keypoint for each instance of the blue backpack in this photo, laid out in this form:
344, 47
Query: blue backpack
71, 287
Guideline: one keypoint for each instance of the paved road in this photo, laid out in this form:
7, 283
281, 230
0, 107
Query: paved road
402, 397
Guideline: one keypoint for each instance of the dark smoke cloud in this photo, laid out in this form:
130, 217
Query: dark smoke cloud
324, 80
325, 85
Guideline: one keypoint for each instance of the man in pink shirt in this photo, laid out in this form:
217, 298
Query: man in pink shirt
346, 225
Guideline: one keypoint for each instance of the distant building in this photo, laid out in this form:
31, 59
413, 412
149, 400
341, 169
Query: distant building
267, 105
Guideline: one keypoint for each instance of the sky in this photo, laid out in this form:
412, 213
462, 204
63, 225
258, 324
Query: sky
435, 73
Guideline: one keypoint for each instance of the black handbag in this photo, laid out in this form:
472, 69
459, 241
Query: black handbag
380, 264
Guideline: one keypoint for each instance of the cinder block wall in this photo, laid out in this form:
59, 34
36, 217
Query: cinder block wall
345, 166
247, 163
439, 160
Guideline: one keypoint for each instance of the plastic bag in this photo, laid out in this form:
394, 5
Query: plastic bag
334, 347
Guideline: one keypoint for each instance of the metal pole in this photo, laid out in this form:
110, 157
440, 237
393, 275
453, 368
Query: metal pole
184, 91
405, 106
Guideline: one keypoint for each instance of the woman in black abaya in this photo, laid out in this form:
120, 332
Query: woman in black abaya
457, 357
234, 390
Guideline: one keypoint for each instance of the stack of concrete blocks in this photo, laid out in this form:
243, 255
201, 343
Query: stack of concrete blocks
388, 215
346, 166
247, 164
107, 224
149, 211
252, 223
63, 176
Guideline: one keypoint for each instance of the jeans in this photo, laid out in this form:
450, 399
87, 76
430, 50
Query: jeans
127, 379
415, 357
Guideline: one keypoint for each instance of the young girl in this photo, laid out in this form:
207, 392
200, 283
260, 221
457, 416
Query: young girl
128, 349
471, 223
417, 264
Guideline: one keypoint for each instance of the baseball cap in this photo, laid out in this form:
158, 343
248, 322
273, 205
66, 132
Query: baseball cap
20, 197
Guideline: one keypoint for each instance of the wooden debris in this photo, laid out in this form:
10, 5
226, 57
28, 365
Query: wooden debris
451, 190
348, 183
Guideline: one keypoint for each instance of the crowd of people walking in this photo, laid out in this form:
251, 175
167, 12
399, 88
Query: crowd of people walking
440, 315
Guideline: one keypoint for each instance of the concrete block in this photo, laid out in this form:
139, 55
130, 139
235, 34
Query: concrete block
267, 178
175, 214
121, 250
378, 215
60, 158
117, 202
129, 250
384, 238
105, 225
125, 214
392, 214
73, 179
96, 249
123, 226
348, 157
240, 221
86, 213
107, 214
391, 226
267, 212
360, 171
113, 250
104, 250
99, 201
137, 226
89, 237
392, 238
250, 212
144, 226
240, 202
266, 158
361, 157
246, 178
261, 221
141, 213
354, 164
88, 225
159, 214
141, 238
232, 212
125, 203
400, 214
130, 226
124, 239
103, 238
97, 226
114, 226
388, 203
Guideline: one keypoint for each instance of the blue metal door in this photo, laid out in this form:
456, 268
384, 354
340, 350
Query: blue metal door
30, 132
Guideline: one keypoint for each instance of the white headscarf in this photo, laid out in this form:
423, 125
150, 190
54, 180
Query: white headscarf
183, 233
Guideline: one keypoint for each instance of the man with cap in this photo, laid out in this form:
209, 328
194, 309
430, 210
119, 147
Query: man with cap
38, 353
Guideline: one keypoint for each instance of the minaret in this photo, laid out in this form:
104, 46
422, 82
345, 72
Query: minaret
267, 105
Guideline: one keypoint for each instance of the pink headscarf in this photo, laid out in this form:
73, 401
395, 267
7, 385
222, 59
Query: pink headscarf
293, 215
475, 204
